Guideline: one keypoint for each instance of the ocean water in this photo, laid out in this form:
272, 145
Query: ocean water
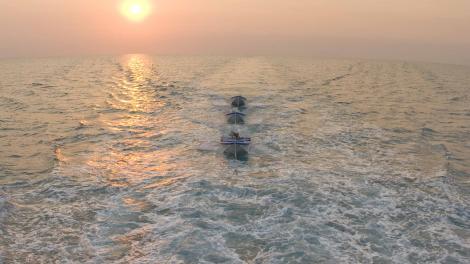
116, 160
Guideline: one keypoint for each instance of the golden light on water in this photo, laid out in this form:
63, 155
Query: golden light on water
136, 159
136, 10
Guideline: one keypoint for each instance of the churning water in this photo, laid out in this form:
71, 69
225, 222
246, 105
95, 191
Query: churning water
116, 160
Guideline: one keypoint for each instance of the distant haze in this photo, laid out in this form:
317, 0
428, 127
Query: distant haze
429, 30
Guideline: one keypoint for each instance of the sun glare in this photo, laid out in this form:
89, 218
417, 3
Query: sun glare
135, 10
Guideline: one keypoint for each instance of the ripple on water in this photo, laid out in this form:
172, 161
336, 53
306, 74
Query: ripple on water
353, 162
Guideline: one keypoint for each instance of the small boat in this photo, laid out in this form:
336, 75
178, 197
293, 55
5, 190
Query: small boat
236, 147
235, 118
238, 101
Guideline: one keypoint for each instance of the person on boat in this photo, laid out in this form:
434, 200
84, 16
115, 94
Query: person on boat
235, 135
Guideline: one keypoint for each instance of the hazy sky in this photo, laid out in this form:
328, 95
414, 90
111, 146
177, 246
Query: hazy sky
435, 30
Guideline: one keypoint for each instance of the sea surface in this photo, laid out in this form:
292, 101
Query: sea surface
116, 160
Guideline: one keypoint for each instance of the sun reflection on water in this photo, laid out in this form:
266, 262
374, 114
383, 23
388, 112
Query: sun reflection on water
136, 155
135, 90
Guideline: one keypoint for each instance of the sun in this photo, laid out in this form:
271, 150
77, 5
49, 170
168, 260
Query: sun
136, 10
